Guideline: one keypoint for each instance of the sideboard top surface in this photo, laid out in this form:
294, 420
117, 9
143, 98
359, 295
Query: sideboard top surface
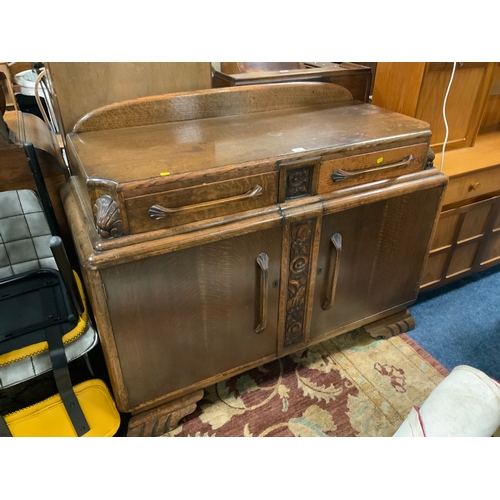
150, 151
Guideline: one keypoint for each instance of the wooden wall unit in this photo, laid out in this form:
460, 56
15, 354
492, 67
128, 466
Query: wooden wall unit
277, 216
418, 89
467, 235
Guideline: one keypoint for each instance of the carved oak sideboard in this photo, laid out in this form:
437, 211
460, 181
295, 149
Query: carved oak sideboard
221, 229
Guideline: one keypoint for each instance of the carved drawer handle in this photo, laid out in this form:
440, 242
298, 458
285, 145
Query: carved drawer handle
263, 261
474, 186
158, 212
342, 175
337, 245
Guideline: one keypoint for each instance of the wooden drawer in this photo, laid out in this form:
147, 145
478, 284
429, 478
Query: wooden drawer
472, 185
346, 172
182, 206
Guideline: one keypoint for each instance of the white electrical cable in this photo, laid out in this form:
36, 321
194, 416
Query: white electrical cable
444, 116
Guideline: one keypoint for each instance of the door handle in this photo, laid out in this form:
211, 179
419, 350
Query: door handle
158, 212
343, 175
263, 262
336, 239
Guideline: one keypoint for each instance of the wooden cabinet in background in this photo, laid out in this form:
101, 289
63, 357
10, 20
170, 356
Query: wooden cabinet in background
467, 238
80, 87
239, 225
418, 90
491, 115
354, 77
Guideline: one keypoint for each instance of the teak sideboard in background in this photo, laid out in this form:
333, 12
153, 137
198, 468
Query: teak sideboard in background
220, 229
467, 239
354, 77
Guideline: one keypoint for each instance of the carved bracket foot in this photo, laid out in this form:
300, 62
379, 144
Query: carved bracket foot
393, 325
162, 419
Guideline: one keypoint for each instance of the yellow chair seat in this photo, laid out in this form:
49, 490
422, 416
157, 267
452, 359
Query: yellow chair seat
49, 418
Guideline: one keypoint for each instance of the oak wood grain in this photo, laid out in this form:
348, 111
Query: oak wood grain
183, 106
377, 164
370, 251
266, 137
185, 306
210, 293
201, 202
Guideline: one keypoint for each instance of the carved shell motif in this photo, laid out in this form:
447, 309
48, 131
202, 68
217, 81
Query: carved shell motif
107, 217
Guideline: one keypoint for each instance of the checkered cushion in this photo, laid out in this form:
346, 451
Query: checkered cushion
24, 246
24, 234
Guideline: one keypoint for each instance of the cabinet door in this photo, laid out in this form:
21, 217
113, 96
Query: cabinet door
466, 101
418, 89
186, 316
370, 258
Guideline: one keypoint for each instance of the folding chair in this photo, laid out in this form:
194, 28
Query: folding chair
44, 323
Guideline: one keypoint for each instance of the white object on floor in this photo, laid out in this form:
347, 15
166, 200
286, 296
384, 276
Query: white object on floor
465, 404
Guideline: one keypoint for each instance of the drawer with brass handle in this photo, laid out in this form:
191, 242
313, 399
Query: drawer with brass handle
360, 169
472, 185
183, 206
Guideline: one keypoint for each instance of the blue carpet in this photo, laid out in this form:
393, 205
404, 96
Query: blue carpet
459, 324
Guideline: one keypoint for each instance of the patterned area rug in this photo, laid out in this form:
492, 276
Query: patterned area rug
352, 385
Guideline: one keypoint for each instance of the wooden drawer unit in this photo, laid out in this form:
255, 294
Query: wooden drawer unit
472, 185
210, 237
466, 238
172, 173
182, 206
466, 242
340, 173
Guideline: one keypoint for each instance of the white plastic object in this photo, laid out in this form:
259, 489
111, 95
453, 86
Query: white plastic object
465, 404
26, 81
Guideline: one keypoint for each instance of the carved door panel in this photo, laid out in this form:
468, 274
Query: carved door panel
370, 258
183, 317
